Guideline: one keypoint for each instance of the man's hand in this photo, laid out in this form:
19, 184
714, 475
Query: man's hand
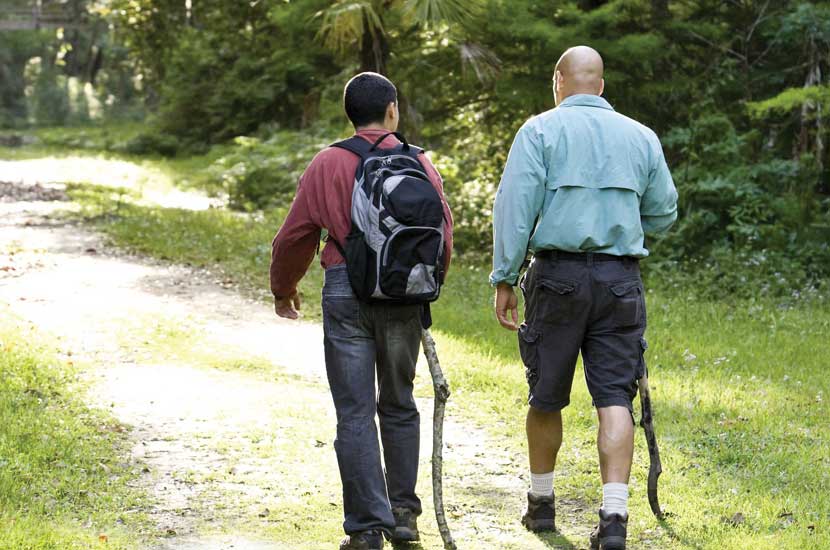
507, 302
288, 307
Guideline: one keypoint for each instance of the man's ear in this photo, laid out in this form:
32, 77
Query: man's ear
601, 86
392, 119
558, 84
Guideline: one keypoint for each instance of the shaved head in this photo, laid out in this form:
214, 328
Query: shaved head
578, 71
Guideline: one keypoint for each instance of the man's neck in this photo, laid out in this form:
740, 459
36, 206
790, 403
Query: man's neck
373, 126
581, 92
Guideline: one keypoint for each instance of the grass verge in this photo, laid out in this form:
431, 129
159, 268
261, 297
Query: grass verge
64, 478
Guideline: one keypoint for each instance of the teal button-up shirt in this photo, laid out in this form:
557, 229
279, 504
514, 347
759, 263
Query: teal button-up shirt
580, 178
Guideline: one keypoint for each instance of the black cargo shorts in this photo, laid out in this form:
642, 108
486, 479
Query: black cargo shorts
593, 303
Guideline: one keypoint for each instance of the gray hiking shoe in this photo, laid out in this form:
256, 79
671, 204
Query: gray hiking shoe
367, 540
610, 532
540, 514
406, 526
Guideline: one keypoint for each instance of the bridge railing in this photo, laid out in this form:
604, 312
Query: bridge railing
38, 17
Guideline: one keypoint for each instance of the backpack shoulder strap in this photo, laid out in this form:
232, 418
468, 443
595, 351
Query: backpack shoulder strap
356, 145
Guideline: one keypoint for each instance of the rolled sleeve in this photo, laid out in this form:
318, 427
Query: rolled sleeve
658, 207
518, 202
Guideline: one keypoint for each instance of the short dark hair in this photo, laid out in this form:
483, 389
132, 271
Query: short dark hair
366, 97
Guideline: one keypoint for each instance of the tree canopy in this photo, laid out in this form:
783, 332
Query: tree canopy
737, 91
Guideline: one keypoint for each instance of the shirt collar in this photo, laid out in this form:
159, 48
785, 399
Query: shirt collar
372, 132
586, 100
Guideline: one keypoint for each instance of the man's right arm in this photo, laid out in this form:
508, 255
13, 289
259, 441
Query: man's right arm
294, 246
518, 202
658, 207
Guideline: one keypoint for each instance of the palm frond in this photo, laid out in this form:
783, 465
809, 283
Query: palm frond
345, 22
443, 11
484, 62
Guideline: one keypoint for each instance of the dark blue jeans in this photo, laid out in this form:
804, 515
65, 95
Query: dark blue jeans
360, 340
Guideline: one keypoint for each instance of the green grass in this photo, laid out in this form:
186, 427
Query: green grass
239, 245
740, 386
96, 154
740, 392
64, 479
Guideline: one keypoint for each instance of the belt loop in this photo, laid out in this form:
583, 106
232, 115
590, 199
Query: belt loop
590, 259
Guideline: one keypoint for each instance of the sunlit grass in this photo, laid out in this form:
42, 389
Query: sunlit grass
64, 479
237, 244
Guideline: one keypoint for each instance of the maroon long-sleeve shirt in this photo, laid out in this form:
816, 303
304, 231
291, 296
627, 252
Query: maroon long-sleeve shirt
324, 201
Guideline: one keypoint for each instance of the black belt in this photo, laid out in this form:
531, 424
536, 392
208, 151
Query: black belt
582, 256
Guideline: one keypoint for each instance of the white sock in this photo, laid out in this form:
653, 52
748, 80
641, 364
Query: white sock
541, 485
615, 498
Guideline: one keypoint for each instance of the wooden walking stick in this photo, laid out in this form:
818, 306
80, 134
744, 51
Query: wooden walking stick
655, 466
442, 393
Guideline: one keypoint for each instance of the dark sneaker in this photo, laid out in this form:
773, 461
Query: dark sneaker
540, 514
406, 526
609, 534
367, 540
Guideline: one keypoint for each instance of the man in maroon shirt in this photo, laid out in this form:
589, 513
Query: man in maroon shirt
360, 338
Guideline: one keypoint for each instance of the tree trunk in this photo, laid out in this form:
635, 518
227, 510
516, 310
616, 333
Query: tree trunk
95, 64
659, 12
813, 78
410, 118
374, 49
311, 108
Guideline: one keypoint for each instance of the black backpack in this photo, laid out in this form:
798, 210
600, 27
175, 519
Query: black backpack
395, 249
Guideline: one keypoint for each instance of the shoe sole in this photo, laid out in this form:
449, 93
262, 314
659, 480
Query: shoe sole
404, 534
608, 543
539, 524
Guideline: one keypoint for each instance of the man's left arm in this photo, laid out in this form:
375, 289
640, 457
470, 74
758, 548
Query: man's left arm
658, 207
438, 184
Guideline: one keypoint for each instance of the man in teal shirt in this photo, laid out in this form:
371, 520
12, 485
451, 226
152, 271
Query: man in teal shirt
581, 187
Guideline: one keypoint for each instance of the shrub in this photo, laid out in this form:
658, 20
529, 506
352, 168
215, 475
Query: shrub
259, 174
152, 143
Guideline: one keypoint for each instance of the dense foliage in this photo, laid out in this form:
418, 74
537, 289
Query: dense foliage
67, 68
735, 89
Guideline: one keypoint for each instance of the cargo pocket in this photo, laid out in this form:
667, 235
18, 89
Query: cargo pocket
628, 303
529, 350
556, 300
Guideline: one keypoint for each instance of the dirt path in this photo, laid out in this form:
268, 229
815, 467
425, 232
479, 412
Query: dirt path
231, 419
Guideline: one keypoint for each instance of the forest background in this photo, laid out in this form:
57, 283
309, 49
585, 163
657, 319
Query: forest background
735, 89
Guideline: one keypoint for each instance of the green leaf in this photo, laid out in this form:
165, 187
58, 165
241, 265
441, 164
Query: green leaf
789, 99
